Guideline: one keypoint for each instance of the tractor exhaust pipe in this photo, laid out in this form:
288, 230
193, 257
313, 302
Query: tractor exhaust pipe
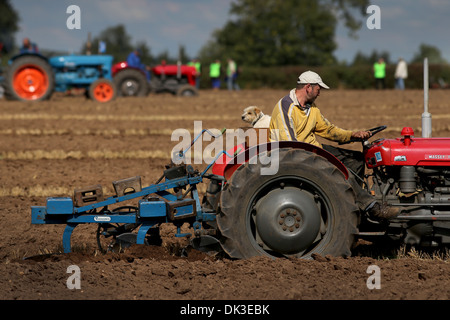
426, 116
178, 69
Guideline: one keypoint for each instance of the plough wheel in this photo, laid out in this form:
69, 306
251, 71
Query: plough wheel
117, 237
306, 207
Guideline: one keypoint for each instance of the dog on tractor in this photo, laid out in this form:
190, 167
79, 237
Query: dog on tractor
254, 116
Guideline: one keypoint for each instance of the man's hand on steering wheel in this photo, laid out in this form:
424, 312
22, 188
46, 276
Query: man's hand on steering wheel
361, 135
364, 135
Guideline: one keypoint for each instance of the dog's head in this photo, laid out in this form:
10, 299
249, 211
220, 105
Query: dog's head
251, 114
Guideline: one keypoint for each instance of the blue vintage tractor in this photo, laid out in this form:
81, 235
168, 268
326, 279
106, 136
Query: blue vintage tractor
33, 77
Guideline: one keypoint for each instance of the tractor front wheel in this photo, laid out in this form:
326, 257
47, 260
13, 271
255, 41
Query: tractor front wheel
102, 90
306, 207
186, 91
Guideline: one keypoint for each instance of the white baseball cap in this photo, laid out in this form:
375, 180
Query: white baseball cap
311, 77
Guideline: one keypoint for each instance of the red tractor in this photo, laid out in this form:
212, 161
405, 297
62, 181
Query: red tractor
412, 173
177, 79
308, 206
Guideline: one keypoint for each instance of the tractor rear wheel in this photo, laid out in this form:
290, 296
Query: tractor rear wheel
186, 90
307, 207
29, 78
102, 90
131, 82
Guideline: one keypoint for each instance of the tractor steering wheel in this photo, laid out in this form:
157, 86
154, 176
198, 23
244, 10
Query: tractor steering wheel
375, 130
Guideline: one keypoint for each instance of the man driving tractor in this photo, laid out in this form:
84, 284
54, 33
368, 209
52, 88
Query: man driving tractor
297, 118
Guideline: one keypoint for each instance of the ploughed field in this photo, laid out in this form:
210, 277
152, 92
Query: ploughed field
50, 148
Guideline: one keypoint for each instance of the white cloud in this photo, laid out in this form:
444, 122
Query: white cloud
125, 11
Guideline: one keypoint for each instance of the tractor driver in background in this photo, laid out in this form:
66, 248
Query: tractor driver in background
296, 118
134, 61
28, 46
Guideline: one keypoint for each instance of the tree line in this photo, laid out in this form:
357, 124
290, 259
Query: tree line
258, 33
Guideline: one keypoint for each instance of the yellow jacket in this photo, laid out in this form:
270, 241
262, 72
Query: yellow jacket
292, 122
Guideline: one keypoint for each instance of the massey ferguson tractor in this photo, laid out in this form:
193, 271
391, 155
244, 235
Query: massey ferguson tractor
177, 79
306, 206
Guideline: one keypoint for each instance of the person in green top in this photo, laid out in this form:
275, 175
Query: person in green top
198, 68
214, 74
379, 69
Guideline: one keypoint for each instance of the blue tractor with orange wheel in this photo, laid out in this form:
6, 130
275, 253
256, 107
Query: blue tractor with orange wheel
33, 77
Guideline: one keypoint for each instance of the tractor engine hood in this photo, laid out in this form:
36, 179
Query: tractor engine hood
408, 151
80, 60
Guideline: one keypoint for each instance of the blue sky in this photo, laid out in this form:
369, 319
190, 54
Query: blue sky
166, 24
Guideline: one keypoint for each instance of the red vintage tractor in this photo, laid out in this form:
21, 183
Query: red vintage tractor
308, 206
177, 79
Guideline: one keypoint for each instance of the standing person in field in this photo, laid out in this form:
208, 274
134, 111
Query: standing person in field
214, 74
232, 74
198, 71
401, 73
379, 70
297, 118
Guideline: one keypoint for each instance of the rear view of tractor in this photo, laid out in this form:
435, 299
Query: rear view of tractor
176, 79
33, 77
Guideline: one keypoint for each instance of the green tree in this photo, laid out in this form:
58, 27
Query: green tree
182, 54
164, 57
118, 42
146, 55
362, 59
9, 25
288, 32
427, 51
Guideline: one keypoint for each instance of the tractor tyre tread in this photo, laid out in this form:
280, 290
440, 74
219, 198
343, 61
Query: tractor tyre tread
238, 191
134, 74
10, 93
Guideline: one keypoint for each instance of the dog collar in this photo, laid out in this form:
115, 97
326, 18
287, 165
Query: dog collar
257, 119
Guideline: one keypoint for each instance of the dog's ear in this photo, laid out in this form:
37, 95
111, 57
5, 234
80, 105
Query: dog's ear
257, 110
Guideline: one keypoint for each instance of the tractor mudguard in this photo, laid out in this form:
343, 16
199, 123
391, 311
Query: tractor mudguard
26, 54
227, 166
